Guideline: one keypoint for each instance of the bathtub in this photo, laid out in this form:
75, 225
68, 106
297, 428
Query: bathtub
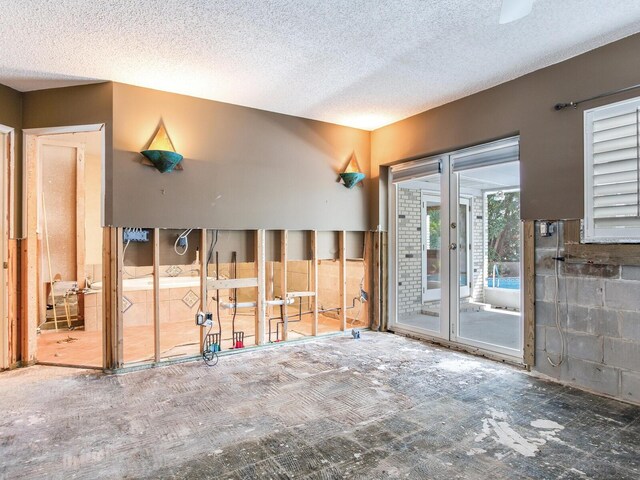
146, 283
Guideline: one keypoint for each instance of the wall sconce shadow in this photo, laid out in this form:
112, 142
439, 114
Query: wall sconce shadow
352, 175
161, 153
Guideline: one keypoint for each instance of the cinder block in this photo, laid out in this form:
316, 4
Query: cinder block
540, 338
630, 326
593, 376
582, 291
545, 314
622, 353
553, 344
585, 346
540, 287
630, 386
622, 295
594, 320
630, 272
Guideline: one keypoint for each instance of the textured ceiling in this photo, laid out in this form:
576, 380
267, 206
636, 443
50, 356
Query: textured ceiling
362, 63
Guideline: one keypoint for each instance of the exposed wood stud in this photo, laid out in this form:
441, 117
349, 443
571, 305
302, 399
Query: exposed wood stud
342, 256
260, 269
529, 279
314, 281
367, 277
384, 282
283, 280
29, 269
204, 274
117, 297
375, 291
80, 218
156, 293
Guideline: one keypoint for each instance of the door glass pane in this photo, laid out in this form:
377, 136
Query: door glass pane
463, 244
419, 247
433, 246
489, 311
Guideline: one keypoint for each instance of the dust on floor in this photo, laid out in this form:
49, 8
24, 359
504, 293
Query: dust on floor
383, 406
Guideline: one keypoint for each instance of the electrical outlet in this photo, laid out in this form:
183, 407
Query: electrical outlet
135, 235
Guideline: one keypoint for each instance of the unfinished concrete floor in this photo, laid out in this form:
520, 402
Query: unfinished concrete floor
380, 407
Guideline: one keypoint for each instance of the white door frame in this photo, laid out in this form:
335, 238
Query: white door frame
450, 297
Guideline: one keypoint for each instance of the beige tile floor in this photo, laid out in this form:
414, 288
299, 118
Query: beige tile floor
177, 339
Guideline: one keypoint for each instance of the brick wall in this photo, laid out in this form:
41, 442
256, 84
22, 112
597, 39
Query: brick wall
477, 241
409, 252
600, 315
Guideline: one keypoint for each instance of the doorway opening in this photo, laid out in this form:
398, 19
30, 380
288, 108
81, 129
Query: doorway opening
455, 248
64, 198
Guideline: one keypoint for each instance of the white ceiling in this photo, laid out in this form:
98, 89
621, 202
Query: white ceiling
362, 63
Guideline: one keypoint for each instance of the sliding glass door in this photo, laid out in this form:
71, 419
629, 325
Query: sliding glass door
455, 256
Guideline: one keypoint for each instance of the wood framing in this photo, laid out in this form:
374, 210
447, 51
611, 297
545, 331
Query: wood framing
384, 281
314, 281
375, 291
260, 270
204, 274
112, 317
29, 252
529, 285
13, 307
368, 281
80, 219
342, 259
156, 294
33, 295
9, 349
597, 253
284, 241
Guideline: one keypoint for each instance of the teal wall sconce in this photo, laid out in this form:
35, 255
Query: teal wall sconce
161, 154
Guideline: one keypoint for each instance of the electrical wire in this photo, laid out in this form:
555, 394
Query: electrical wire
557, 302
210, 358
183, 236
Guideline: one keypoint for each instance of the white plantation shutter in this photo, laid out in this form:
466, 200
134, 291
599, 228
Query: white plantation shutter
612, 173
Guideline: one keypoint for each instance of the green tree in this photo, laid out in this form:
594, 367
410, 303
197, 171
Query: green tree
503, 223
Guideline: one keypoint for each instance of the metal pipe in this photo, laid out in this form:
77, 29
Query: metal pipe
562, 106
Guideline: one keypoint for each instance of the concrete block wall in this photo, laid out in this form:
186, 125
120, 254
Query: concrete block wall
409, 251
599, 311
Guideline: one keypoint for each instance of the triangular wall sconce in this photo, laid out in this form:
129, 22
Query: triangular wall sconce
352, 175
161, 154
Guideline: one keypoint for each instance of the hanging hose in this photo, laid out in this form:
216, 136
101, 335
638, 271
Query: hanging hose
557, 304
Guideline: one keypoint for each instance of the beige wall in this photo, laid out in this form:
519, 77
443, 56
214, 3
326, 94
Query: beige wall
551, 147
243, 168
11, 116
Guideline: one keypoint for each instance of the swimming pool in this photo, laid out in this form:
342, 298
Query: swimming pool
511, 283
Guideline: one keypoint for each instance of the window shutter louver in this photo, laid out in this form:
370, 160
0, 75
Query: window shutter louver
612, 172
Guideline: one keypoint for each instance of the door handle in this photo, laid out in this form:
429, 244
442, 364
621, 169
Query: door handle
453, 246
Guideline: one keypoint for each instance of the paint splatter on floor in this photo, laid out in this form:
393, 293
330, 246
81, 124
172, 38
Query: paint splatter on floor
316, 410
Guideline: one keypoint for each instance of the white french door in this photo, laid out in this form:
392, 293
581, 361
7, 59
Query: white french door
453, 218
